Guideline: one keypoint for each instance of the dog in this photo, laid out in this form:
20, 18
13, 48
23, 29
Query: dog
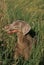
25, 38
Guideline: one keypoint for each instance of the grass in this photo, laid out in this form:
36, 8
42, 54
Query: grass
31, 11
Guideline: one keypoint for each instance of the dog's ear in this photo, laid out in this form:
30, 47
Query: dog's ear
25, 28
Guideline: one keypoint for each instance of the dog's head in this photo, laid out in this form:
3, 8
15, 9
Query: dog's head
18, 26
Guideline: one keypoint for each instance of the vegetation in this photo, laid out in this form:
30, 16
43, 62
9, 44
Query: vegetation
31, 11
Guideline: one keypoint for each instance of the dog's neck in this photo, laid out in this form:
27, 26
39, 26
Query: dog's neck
20, 37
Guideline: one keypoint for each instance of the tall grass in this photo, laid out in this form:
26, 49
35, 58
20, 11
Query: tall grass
31, 11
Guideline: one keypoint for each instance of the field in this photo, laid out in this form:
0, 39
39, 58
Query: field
31, 11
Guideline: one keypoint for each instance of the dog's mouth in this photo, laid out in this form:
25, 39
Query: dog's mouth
12, 31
